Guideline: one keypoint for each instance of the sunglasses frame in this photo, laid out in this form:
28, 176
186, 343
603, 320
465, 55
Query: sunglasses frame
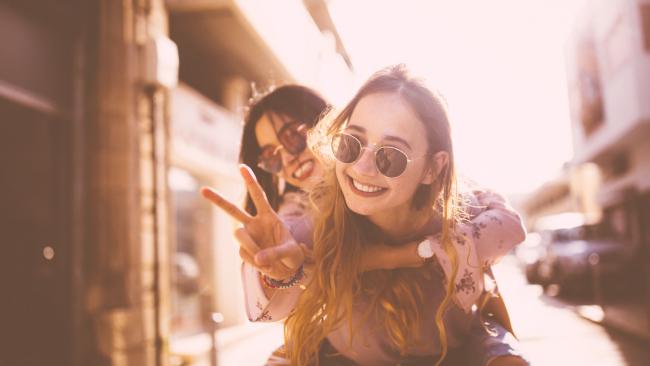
375, 149
278, 134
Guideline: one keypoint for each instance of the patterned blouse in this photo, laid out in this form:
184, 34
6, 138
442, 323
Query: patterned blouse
492, 229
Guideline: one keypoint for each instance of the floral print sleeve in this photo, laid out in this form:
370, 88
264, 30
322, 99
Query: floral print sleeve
492, 229
259, 308
496, 227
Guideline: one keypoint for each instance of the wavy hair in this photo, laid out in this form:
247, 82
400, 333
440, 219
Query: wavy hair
341, 236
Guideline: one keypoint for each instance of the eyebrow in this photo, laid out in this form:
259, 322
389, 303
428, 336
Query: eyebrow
274, 124
385, 137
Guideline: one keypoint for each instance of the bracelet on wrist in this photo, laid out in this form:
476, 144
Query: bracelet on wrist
284, 284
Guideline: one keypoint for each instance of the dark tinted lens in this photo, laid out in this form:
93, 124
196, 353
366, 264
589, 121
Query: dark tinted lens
390, 161
294, 141
346, 148
269, 160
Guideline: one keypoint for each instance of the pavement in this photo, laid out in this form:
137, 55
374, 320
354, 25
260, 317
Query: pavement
555, 332
551, 331
252, 346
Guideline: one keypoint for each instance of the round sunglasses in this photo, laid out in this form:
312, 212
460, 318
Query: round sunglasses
292, 139
390, 161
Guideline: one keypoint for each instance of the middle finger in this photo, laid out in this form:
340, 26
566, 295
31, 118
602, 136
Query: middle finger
256, 192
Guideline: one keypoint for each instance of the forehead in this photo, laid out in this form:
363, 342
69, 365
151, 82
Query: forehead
387, 114
266, 127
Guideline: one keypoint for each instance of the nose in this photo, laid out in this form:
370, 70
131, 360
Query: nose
366, 163
287, 158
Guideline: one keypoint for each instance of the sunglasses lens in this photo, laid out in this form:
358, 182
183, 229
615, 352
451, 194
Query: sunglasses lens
346, 148
390, 161
292, 139
269, 160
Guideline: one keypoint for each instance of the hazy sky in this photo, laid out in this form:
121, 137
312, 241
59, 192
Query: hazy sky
499, 63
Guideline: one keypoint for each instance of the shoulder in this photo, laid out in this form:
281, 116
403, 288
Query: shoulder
294, 204
478, 200
296, 214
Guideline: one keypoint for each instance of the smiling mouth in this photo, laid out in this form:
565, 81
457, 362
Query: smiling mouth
304, 170
365, 190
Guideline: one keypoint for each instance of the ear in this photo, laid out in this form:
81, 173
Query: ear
440, 161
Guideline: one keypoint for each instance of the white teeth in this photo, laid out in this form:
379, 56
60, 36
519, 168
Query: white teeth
365, 188
304, 168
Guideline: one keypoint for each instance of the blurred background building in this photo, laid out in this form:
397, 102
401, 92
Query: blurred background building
603, 193
114, 113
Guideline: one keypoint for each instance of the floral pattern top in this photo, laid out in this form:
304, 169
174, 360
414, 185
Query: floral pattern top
491, 229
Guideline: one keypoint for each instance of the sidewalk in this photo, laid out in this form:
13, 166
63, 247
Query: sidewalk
552, 332
249, 344
616, 317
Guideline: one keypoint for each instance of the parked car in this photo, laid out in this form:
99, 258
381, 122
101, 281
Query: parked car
581, 265
529, 254
548, 231
548, 266
579, 259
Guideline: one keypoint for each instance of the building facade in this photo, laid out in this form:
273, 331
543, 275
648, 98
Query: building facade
230, 51
608, 63
114, 113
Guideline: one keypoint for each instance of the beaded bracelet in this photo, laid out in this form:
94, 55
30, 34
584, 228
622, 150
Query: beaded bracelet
284, 284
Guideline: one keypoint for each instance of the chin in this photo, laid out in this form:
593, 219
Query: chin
363, 211
360, 208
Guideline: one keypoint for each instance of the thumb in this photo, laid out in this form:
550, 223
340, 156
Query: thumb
289, 253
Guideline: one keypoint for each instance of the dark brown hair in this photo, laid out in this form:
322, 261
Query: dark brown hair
296, 102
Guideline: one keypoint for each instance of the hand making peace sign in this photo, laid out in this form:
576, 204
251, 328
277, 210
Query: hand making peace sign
264, 240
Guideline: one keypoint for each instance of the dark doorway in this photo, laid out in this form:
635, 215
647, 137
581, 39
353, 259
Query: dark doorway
35, 273
35, 108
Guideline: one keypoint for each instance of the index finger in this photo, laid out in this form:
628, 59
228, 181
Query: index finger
230, 208
254, 190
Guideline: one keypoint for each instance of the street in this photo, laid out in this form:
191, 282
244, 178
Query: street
552, 333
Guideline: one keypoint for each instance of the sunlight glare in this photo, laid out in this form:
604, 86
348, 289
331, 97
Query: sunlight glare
500, 65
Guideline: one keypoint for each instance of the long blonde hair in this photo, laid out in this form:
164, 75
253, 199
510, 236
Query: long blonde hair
341, 236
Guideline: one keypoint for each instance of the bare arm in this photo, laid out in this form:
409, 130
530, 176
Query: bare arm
265, 245
494, 226
382, 256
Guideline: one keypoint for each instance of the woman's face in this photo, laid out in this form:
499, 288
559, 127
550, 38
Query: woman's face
301, 170
383, 119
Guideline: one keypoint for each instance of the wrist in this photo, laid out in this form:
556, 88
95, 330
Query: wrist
292, 281
424, 251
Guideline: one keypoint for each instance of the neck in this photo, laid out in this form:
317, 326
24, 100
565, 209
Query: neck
400, 226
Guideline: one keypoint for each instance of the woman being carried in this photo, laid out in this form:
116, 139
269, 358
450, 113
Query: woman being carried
393, 182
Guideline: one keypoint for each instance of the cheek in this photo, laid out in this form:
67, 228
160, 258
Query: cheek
338, 168
409, 181
340, 175
318, 171
285, 176
404, 187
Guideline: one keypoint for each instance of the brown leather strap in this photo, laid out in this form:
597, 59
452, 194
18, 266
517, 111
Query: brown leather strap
495, 307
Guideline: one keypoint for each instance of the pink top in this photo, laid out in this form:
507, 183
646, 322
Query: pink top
493, 229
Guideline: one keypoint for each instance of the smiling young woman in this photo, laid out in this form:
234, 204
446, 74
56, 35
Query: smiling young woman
394, 181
